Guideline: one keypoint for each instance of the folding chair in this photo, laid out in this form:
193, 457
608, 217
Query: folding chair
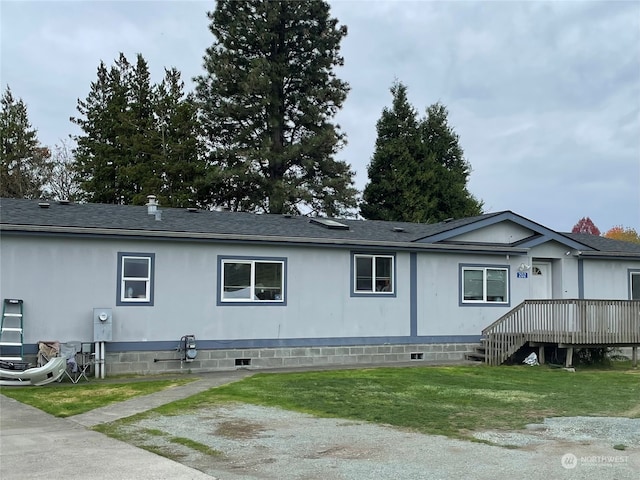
85, 358
69, 350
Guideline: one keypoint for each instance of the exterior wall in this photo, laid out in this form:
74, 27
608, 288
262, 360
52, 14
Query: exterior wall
503, 232
61, 280
607, 279
438, 302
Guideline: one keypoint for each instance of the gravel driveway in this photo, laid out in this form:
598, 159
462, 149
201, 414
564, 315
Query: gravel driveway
267, 443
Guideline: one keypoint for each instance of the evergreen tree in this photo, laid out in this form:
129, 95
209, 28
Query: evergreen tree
393, 189
452, 170
418, 172
24, 163
99, 150
184, 173
134, 137
268, 98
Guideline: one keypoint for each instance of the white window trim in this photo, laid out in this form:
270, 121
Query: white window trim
147, 280
374, 277
252, 285
484, 300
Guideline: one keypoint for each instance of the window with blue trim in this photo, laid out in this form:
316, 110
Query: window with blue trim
252, 280
484, 284
135, 278
373, 274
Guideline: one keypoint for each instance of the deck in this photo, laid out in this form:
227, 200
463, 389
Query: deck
565, 323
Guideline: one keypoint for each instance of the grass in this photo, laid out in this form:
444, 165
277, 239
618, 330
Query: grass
155, 441
64, 400
451, 401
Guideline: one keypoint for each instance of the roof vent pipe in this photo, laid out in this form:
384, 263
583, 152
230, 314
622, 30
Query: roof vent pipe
152, 205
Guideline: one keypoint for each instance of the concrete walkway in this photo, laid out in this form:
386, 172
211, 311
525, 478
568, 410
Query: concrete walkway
36, 445
116, 411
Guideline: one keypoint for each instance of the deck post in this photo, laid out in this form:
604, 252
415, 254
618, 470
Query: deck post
634, 357
569, 361
541, 354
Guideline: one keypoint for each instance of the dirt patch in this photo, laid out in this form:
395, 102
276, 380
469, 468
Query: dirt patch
239, 429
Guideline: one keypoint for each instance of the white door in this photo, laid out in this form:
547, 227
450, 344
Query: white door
541, 281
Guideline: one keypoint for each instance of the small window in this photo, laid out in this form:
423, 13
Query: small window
634, 284
485, 285
373, 274
135, 279
252, 280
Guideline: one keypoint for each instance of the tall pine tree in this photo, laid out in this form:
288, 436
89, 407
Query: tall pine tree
268, 98
100, 153
134, 138
185, 173
418, 172
390, 193
24, 163
452, 170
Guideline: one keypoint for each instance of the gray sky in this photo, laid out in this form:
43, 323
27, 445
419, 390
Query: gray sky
545, 96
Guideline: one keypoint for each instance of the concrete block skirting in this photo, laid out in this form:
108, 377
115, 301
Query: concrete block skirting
266, 358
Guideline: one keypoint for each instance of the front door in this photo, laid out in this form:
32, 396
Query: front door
541, 281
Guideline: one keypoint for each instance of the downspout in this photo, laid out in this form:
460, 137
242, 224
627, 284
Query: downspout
413, 294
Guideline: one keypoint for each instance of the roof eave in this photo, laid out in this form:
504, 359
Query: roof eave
610, 255
369, 244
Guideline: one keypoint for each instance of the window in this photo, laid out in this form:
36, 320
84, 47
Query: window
245, 280
135, 279
634, 284
373, 274
484, 284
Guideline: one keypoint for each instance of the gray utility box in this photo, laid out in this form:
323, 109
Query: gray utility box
102, 325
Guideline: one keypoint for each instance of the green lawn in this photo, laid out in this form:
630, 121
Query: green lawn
450, 401
64, 400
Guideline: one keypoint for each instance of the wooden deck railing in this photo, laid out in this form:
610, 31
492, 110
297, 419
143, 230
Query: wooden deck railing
566, 321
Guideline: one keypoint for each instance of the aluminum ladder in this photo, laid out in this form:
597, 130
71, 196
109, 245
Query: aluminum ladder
11, 332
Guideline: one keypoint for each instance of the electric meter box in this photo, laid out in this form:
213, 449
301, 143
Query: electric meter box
102, 325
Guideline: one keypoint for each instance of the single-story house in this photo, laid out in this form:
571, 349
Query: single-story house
281, 290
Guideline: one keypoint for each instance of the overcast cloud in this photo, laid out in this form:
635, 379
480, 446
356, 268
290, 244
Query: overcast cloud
545, 96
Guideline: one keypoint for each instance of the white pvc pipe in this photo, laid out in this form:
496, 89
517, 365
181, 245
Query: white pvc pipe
102, 355
96, 360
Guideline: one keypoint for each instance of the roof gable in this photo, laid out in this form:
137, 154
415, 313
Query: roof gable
500, 226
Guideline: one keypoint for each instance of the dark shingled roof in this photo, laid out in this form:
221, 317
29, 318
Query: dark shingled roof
603, 244
136, 218
94, 218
